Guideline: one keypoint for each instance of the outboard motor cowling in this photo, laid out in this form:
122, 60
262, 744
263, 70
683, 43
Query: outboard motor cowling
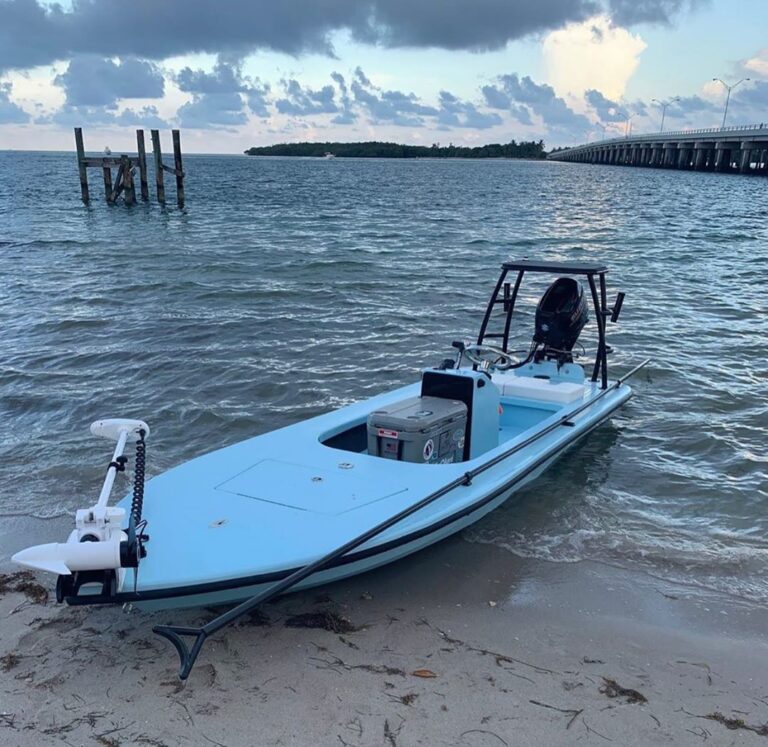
560, 317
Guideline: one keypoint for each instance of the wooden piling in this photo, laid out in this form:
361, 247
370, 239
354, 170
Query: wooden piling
81, 164
119, 183
130, 189
142, 164
158, 165
178, 166
107, 169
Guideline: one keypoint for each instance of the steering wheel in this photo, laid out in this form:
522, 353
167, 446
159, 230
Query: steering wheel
488, 356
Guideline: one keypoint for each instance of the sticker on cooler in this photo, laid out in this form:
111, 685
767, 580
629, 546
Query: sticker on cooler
384, 433
429, 450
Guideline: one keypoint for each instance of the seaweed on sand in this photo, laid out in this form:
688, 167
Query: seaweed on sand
23, 582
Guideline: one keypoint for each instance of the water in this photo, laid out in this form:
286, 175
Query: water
290, 287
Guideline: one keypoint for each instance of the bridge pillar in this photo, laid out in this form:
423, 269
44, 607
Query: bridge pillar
727, 152
702, 156
745, 165
669, 155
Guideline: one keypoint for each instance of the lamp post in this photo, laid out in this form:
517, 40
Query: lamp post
728, 96
664, 105
628, 125
603, 128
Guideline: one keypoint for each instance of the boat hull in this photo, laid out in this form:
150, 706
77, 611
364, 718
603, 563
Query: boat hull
236, 590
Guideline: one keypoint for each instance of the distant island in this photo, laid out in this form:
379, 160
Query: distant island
374, 149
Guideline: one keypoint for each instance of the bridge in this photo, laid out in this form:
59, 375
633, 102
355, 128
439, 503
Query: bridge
738, 150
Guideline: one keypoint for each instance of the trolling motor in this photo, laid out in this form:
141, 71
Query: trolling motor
99, 549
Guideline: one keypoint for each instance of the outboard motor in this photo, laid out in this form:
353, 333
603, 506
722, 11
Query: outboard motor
560, 317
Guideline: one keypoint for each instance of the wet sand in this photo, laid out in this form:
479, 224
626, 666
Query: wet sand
460, 645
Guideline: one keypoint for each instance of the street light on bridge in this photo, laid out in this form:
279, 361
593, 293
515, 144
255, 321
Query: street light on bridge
664, 105
728, 97
628, 125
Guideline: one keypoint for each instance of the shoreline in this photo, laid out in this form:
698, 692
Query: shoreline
461, 644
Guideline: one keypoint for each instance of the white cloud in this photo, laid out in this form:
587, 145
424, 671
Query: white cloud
592, 55
758, 65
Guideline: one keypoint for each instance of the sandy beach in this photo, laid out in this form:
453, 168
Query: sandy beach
463, 644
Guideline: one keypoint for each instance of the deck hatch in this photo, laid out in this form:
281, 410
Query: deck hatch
306, 488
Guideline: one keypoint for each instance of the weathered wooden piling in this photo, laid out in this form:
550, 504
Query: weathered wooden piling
130, 190
142, 165
177, 165
81, 164
124, 180
158, 165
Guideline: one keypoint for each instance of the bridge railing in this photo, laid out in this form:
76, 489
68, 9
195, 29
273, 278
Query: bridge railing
668, 134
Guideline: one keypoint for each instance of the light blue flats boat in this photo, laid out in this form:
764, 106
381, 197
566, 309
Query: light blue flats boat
353, 489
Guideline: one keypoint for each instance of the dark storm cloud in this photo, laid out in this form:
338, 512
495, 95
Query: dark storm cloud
457, 113
32, 33
95, 81
524, 94
10, 113
628, 12
302, 102
479, 25
606, 109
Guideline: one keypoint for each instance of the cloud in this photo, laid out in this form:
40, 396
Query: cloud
104, 116
213, 110
303, 102
527, 96
593, 55
480, 25
390, 107
606, 110
147, 116
38, 32
749, 104
10, 113
217, 96
629, 12
95, 81
757, 65
687, 105
346, 115
457, 113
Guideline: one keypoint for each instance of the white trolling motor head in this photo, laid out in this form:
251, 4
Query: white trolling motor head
99, 543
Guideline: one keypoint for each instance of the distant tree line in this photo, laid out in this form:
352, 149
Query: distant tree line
373, 149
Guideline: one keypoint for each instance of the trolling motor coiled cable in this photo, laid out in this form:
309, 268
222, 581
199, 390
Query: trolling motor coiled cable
137, 502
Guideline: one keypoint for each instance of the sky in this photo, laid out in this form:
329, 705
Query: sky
237, 73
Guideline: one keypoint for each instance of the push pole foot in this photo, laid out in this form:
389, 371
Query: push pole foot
187, 656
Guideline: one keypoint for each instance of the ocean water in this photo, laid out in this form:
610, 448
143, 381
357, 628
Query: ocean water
289, 287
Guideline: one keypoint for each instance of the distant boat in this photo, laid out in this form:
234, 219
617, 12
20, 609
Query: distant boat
107, 150
329, 155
